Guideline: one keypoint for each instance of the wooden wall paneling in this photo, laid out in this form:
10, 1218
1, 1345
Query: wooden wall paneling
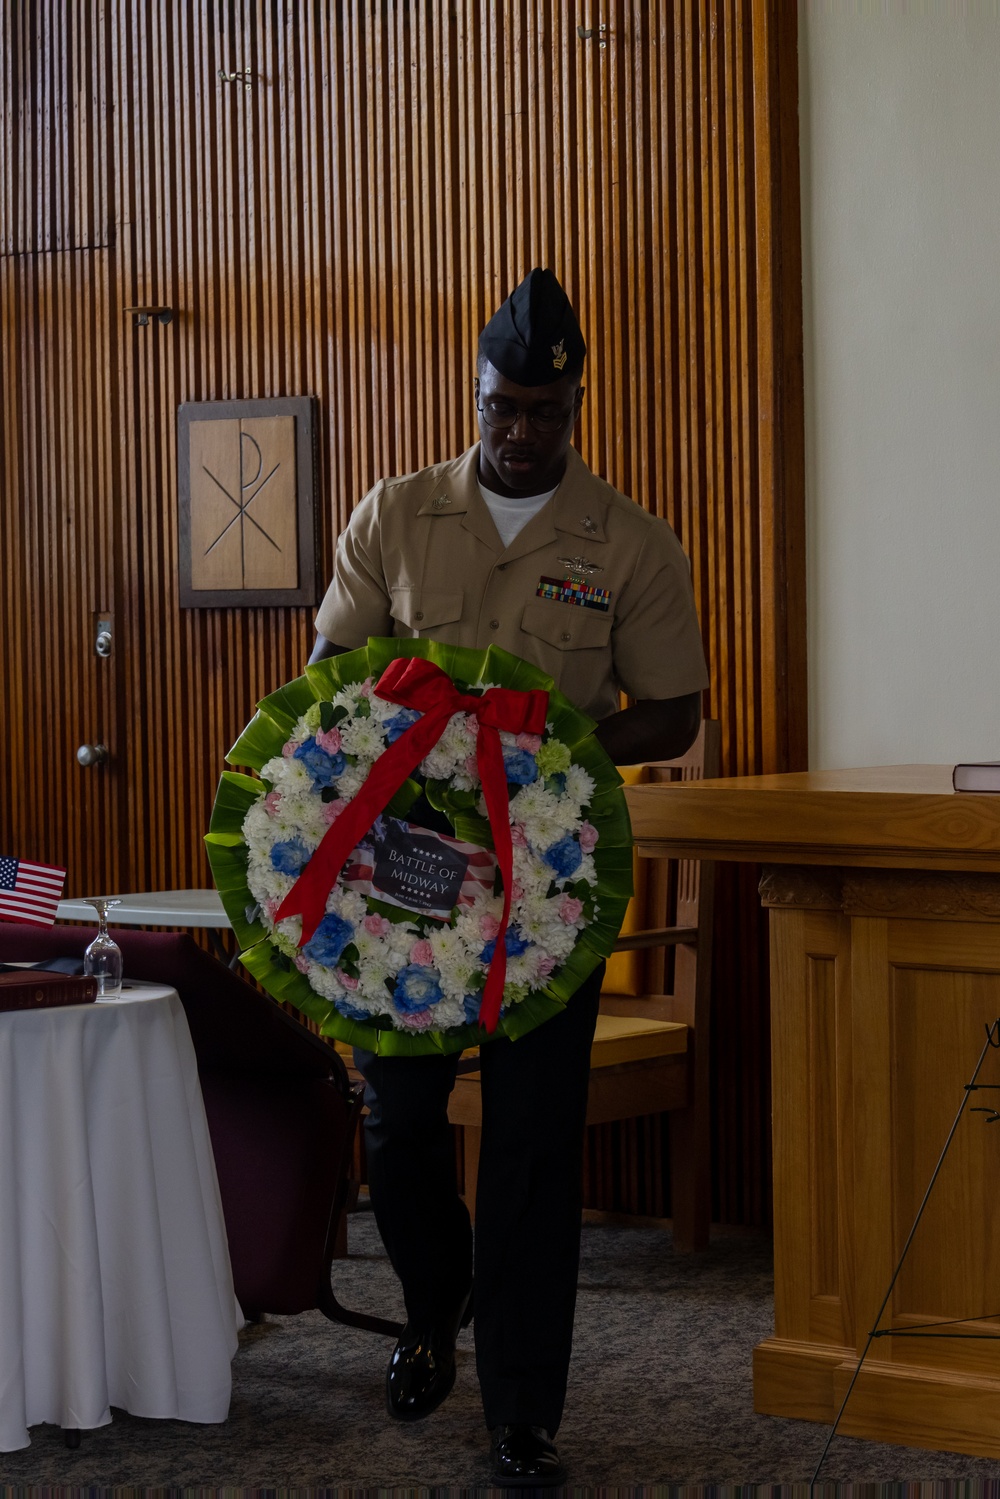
342, 229
781, 429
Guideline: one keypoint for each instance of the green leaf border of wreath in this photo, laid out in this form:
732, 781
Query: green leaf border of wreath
264, 737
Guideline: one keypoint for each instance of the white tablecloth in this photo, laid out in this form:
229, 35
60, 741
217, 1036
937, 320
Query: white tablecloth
115, 1282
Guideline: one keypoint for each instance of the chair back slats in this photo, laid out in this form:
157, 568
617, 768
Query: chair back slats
672, 897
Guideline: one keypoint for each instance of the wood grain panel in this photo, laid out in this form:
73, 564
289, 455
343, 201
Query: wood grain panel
55, 187
342, 229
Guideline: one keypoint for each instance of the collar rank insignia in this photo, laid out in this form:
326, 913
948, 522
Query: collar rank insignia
589, 525
559, 355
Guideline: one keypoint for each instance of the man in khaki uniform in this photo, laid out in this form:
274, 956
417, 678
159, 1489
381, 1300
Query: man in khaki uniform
515, 543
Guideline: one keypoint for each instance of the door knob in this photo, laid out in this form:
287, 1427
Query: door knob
92, 754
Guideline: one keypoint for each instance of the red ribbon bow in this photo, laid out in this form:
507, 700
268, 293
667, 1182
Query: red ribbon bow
415, 683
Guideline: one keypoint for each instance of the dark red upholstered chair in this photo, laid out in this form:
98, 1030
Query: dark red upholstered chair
281, 1113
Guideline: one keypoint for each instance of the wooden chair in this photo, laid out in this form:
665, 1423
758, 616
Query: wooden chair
651, 1049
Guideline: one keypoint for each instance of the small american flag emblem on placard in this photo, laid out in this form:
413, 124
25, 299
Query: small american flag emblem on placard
29, 892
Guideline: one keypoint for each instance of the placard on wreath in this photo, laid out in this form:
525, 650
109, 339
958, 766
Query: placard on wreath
246, 488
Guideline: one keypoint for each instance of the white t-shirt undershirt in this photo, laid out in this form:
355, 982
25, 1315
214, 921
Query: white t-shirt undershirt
512, 515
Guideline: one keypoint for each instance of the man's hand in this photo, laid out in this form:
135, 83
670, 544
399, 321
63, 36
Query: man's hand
655, 730
324, 648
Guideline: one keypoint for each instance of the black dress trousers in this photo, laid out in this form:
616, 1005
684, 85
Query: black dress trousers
528, 1201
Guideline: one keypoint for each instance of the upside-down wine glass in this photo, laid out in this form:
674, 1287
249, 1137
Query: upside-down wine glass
103, 958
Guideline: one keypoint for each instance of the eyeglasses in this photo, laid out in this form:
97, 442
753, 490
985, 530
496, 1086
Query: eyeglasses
503, 414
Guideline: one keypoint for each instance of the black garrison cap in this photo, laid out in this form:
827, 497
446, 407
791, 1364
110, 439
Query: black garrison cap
534, 338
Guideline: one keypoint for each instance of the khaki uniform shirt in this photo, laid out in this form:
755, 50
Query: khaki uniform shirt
421, 556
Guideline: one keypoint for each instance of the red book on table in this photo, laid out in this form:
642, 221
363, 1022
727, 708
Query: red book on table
34, 989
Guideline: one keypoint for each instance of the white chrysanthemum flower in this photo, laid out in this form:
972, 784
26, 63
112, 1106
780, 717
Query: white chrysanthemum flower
362, 737
579, 785
454, 961
293, 779
372, 985
381, 708
325, 982
290, 927
348, 697
352, 780
521, 970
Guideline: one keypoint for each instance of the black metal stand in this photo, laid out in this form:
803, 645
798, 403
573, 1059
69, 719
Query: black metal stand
972, 1086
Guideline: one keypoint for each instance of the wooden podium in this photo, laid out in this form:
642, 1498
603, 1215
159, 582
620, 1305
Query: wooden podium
883, 888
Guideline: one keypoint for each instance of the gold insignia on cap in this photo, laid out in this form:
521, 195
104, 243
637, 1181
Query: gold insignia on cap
559, 355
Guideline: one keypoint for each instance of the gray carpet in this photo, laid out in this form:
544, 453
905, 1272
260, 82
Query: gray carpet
659, 1394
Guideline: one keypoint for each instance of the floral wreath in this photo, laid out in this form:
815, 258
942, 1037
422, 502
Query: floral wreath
398, 936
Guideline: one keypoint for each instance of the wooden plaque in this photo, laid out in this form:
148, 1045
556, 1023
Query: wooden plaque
247, 503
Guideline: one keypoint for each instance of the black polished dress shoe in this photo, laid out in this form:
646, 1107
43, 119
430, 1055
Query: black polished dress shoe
524, 1457
422, 1367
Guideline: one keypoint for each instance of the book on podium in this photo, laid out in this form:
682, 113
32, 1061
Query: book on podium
981, 775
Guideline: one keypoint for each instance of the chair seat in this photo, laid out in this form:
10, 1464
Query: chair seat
625, 1038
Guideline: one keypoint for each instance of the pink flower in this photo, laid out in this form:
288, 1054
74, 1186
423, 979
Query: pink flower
346, 980
488, 927
288, 750
570, 909
518, 836
332, 810
329, 740
530, 742
516, 889
422, 952
302, 964
545, 967
378, 926
471, 766
271, 905
272, 802
423, 1020
366, 687
472, 723
588, 836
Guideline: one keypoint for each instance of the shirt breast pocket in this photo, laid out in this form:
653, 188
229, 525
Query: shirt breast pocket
567, 627
423, 610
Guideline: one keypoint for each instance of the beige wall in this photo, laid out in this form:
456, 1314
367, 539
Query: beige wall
900, 143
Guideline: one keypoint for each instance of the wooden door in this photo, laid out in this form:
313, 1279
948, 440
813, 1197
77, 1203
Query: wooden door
61, 514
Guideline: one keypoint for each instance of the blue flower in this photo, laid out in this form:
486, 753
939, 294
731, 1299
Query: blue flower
322, 766
514, 946
519, 765
564, 857
329, 940
471, 1003
290, 857
399, 723
349, 1011
417, 988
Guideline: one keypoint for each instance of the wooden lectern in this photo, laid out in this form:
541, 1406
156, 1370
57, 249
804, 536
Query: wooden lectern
883, 888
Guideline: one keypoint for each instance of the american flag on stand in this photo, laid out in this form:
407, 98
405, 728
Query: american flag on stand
29, 892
